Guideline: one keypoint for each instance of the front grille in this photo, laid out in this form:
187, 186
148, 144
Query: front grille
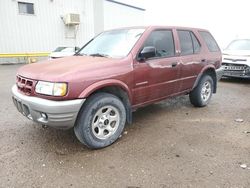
24, 85
234, 67
239, 70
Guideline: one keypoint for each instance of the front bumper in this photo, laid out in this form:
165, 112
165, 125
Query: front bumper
58, 114
236, 70
236, 74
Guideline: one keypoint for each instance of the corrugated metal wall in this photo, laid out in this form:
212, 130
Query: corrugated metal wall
117, 15
45, 30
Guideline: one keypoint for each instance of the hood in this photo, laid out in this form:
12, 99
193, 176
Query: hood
67, 68
237, 52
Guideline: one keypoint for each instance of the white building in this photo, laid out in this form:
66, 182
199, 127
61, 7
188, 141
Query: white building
32, 26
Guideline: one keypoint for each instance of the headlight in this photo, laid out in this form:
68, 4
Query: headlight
49, 88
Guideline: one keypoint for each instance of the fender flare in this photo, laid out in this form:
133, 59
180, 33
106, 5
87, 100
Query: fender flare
105, 83
206, 68
111, 82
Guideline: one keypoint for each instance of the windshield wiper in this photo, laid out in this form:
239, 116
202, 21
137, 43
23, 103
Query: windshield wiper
99, 55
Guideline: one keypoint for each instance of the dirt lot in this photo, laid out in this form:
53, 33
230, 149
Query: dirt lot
170, 144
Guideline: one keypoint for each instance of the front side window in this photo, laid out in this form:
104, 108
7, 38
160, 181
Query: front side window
210, 42
26, 8
115, 43
163, 42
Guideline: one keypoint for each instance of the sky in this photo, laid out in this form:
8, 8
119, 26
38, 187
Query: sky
226, 20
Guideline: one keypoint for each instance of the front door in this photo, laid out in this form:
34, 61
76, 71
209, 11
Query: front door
156, 77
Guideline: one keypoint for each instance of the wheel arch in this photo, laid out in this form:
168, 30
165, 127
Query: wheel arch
115, 87
210, 70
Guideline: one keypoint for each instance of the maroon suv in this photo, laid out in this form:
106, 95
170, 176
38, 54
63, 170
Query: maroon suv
118, 71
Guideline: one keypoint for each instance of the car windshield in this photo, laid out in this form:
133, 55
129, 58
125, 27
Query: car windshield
243, 44
59, 49
64, 49
115, 43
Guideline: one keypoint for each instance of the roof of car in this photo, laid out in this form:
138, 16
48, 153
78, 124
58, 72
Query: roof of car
161, 27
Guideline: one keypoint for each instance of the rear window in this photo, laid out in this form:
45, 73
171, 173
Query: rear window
209, 40
186, 42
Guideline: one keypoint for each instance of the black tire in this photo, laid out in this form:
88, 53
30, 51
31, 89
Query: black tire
94, 126
202, 93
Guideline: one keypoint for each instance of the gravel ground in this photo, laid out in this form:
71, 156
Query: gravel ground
169, 144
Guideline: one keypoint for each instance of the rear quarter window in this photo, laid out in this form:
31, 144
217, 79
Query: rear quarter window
210, 41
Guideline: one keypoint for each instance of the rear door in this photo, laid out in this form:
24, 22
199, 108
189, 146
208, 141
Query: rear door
155, 78
190, 49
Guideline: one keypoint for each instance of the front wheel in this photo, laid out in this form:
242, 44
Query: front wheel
202, 93
101, 121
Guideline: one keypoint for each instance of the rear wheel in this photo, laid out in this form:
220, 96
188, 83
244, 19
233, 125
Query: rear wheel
202, 93
101, 121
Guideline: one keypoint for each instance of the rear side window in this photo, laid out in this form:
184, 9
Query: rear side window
210, 42
163, 41
189, 43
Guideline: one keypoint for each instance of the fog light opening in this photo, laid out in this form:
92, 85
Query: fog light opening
30, 117
44, 116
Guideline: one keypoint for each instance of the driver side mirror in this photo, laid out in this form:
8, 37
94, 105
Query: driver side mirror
147, 52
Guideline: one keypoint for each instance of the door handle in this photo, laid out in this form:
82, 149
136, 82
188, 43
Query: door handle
174, 64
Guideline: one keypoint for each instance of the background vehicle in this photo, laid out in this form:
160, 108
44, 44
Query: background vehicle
96, 90
63, 51
236, 59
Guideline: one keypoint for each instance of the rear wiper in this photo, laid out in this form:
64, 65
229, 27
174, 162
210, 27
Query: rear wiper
99, 55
